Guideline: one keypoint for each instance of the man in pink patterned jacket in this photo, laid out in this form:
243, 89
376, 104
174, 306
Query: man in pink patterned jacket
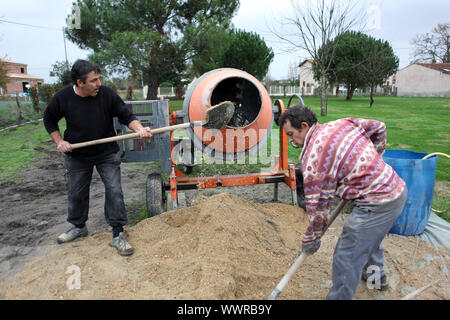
343, 158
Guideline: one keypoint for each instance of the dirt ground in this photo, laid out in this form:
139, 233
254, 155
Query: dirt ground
232, 243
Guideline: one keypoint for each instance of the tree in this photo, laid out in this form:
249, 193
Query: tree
360, 60
206, 44
3, 75
248, 51
433, 47
62, 70
317, 23
346, 63
144, 37
221, 46
293, 73
380, 63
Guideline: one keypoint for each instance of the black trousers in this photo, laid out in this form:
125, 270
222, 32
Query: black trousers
78, 181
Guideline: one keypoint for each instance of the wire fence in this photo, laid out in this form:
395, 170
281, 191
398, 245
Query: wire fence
311, 90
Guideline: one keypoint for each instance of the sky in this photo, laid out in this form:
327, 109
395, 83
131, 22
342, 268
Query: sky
36, 36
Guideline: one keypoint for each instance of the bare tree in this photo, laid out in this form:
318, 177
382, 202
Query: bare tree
293, 73
434, 46
316, 24
268, 80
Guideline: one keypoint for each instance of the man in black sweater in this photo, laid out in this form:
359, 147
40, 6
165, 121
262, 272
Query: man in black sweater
89, 109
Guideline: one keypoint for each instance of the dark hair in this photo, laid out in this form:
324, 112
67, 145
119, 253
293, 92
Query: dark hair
81, 68
298, 114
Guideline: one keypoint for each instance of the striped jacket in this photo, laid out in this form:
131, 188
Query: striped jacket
344, 158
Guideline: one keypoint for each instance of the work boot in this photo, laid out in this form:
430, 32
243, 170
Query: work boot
72, 234
383, 281
122, 246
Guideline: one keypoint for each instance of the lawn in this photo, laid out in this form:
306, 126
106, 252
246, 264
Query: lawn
416, 124
17, 147
9, 112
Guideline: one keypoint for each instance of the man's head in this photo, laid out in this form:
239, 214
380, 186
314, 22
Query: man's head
296, 122
86, 76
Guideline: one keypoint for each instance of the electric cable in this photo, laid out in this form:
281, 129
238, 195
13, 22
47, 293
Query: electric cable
437, 154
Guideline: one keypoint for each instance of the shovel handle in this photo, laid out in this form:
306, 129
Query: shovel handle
136, 135
283, 282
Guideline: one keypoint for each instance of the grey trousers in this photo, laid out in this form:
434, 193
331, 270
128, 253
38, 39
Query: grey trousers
359, 246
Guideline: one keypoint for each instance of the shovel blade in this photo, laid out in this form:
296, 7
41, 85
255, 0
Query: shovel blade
219, 115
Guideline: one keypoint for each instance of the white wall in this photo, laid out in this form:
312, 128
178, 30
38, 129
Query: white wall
306, 77
419, 81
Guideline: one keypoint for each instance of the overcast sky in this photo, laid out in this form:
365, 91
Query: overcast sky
397, 21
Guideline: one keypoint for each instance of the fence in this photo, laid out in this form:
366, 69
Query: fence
272, 90
286, 91
167, 92
283, 90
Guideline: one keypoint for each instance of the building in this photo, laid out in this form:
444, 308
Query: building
424, 80
308, 85
306, 78
18, 78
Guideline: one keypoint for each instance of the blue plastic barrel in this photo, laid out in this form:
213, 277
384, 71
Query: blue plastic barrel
419, 176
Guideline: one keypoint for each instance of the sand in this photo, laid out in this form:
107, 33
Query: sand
221, 247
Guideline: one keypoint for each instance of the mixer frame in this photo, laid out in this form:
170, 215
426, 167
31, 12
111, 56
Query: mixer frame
283, 172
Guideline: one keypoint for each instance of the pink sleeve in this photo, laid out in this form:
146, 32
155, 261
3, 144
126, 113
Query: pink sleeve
376, 131
319, 198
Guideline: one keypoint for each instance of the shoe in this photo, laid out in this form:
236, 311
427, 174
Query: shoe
383, 285
72, 234
122, 246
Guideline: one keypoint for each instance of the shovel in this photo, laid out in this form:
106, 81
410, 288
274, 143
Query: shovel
216, 117
276, 292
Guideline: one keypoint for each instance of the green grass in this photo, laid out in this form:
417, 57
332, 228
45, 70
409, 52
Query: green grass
10, 113
17, 147
441, 204
416, 124
137, 212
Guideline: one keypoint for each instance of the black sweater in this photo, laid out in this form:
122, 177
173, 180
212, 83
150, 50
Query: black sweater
87, 119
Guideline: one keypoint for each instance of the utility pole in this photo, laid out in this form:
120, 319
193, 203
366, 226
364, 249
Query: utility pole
65, 48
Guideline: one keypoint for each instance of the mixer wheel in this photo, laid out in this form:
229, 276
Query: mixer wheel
155, 195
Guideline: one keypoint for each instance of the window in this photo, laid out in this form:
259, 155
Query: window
22, 70
25, 85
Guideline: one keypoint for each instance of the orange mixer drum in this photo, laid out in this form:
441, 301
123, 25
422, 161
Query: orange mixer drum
252, 120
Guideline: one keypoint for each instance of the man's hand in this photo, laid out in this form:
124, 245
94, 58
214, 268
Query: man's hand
61, 144
311, 247
64, 146
145, 133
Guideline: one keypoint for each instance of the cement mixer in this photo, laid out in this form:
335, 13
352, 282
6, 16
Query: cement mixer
247, 132
252, 120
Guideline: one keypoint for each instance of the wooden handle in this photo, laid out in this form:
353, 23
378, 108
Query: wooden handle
277, 291
283, 282
135, 135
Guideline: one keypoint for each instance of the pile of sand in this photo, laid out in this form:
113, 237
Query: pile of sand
222, 247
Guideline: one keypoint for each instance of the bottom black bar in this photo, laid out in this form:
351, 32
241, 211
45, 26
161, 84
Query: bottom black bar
226, 309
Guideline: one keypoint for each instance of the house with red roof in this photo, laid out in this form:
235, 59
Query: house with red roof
424, 80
